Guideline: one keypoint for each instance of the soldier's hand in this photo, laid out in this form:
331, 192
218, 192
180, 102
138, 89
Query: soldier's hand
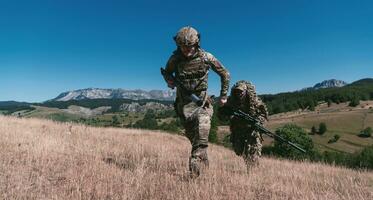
222, 101
171, 84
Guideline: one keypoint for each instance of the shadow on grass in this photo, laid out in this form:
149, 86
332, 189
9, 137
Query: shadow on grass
125, 164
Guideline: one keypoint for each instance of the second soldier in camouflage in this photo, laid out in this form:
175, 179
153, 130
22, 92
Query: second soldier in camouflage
246, 141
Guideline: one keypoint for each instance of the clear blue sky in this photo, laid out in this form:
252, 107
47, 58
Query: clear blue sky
48, 47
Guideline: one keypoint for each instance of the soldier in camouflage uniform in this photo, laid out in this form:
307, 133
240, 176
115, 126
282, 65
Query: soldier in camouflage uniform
246, 141
190, 64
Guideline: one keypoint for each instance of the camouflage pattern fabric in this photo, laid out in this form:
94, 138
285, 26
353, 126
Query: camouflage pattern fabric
193, 74
197, 127
245, 140
187, 36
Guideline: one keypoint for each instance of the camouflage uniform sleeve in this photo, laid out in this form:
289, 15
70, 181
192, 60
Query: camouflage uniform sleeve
170, 66
262, 111
221, 71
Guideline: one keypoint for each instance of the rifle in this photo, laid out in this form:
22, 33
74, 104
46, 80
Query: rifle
177, 83
257, 124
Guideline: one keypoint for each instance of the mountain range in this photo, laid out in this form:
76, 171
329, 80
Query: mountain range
98, 93
167, 95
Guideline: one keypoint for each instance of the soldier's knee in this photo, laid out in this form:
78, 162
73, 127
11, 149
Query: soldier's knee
199, 150
203, 130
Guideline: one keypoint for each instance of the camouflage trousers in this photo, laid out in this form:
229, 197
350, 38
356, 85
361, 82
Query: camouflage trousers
248, 144
197, 123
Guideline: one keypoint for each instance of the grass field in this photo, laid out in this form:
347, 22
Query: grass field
41, 159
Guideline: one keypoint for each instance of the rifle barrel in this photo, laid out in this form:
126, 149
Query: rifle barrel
256, 123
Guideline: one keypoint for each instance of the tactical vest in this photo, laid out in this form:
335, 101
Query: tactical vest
193, 73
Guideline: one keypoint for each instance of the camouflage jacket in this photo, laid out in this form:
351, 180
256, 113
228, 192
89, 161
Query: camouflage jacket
250, 104
193, 72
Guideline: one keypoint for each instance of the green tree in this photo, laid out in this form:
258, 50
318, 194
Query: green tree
174, 126
311, 105
313, 130
296, 135
148, 122
329, 102
354, 102
365, 158
115, 120
322, 128
367, 132
334, 139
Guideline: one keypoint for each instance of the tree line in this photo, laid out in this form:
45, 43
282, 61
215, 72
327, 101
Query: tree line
115, 104
308, 99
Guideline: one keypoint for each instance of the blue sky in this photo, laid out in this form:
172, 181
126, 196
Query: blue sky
48, 47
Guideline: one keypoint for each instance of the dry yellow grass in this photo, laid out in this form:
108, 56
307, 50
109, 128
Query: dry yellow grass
41, 159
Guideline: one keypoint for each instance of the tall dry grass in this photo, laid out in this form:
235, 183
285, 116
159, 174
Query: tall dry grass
42, 159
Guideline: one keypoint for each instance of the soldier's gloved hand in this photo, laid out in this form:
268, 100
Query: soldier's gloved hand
171, 84
222, 101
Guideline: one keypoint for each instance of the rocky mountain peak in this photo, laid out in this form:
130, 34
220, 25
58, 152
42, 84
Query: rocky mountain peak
332, 83
329, 84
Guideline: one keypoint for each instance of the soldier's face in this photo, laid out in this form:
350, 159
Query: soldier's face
188, 51
239, 94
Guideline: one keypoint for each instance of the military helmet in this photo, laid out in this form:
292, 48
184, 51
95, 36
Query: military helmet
187, 36
244, 86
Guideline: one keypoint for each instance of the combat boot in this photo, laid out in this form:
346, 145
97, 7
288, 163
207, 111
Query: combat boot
198, 161
194, 167
251, 162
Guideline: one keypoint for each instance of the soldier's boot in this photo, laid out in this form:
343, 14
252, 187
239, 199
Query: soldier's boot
204, 158
252, 155
194, 167
251, 161
198, 162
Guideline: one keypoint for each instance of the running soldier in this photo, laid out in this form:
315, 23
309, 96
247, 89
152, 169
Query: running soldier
190, 65
246, 141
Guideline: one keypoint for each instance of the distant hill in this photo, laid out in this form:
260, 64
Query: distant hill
13, 103
366, 81
9, 107
308, 99
97, 93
